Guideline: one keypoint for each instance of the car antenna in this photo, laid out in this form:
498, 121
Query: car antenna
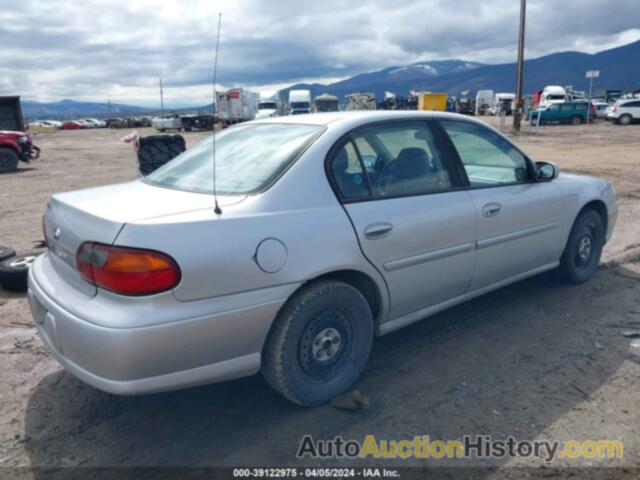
214, 106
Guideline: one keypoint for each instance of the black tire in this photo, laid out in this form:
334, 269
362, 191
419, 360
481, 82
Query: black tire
625, 119
156, 150
581, 255
8, 160
6, 252
576, 120
319, 343
14, 271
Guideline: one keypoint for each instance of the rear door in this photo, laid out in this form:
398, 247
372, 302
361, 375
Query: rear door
518, 219
413, 221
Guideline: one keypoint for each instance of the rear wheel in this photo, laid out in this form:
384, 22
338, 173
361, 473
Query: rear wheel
319, 343
625, 119
8, 160
582, 254
576, 120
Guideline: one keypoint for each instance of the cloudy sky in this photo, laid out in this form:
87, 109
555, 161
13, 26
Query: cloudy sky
98, 49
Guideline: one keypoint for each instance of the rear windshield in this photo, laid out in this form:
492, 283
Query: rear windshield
248, 159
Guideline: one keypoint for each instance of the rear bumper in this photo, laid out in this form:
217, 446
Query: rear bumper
152, 358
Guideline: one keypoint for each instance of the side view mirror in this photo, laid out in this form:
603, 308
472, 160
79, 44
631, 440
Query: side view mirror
547, 170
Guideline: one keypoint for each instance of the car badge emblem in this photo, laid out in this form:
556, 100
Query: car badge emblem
56, 233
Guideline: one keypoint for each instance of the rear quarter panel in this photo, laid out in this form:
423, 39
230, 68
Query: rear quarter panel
216, 253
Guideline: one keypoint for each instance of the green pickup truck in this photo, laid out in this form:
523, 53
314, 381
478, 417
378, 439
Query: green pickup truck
573, 113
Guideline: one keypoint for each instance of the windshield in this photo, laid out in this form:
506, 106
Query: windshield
248, 159
299, 105
267, 106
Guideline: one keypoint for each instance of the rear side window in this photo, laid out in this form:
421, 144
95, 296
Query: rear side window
488, 158
566, 107
347, 173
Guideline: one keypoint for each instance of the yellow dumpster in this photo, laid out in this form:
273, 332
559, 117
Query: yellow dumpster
432, 101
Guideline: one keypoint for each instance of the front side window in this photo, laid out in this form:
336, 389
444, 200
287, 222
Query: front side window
488, 158
402, 159
248, 159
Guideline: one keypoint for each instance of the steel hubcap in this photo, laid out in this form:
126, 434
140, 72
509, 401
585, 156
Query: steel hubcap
326, 344
584, 248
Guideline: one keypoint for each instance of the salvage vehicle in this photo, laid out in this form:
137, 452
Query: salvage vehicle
73, 125
170, 121
573, 113
625, 112
322, 231
325, 103
16, 147
197, 122
360, 101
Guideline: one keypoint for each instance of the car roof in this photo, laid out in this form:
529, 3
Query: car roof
358, 117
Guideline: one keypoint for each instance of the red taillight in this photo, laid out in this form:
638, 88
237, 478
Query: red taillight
128, 271
615, 107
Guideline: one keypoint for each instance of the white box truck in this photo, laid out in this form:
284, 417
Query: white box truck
236, 105
299, 102
484, 102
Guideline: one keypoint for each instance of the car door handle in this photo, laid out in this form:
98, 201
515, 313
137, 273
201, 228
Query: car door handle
378, 230
491, 209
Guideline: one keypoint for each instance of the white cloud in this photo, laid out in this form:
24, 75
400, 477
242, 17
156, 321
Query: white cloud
96, 49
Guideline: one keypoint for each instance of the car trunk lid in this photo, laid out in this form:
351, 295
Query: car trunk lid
98, 215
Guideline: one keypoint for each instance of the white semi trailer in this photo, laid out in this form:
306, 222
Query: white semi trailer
236, 105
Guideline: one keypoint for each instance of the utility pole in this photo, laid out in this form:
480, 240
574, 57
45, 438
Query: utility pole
517, 113
161, 97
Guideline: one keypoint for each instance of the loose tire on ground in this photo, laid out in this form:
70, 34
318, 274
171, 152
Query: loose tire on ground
8, 160
319, 343
14, 271
583, 250
6, 252
156, 150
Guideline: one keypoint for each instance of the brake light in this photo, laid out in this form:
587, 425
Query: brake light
127, 271
615, 107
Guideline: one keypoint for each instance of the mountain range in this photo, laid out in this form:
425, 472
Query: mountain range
619, 69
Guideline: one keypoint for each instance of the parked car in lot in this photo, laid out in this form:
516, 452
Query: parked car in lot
601, 109
333, 228
167, 122
93, 122
14, 148
197, 122
625, 112
73, 125
574, 113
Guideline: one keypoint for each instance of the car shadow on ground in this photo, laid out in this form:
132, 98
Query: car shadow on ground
18, 171
509, 363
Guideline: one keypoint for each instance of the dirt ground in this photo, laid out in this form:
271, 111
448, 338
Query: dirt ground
536, 360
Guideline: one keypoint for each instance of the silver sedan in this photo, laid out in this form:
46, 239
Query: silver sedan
331, 229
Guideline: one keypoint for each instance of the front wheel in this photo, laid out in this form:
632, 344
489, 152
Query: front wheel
8, 160
582, 254
319, 343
